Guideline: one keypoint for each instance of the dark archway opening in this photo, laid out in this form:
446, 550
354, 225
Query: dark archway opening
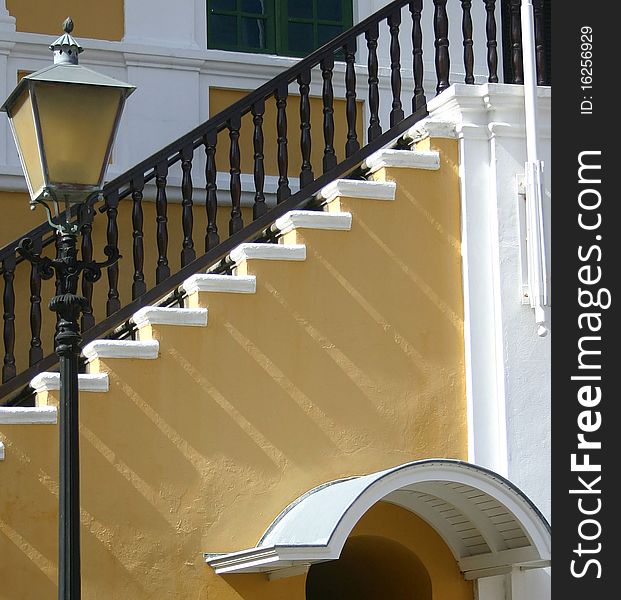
370, 568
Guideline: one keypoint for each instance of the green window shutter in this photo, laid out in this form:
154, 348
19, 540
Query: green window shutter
241, 25
285, 27
305, 25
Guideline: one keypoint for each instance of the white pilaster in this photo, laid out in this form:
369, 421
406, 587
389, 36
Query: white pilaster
507, 364
525, 584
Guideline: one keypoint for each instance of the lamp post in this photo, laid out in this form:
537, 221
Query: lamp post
64, 120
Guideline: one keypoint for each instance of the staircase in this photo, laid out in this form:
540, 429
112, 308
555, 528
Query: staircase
335, 350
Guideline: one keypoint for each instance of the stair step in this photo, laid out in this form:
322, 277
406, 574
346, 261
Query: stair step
268, 252
148, 349
27, 415
430, 128
211, 282
404, 159
312, 219
49, 382
353, 188
152, 315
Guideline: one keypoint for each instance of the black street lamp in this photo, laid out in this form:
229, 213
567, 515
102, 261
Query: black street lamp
64, 120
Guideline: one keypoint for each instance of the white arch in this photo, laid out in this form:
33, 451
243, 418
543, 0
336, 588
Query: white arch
487, 522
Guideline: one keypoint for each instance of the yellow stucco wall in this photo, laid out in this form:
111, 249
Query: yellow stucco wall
344, 364
220, 99
92, 18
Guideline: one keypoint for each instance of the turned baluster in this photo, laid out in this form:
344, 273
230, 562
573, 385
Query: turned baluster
352, 144
466, 27
283, 191
259, 207
418, 100
212, 238
161, 231
8, 266
188, 254
492, 44
442, 59
306, 174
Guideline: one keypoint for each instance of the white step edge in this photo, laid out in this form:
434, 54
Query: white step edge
403, 159
89, 382
212, 282
153, 315
431, 128
148, 349
28, 415
353, 188
312, 219
268, 252
1, 451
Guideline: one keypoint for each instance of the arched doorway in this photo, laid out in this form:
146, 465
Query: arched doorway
370, 567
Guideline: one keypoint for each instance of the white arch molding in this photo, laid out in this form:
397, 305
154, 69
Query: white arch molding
490, 526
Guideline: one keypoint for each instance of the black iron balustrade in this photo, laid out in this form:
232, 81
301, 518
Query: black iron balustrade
395, 22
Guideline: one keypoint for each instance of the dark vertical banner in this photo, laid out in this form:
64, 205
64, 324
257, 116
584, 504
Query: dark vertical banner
586, 258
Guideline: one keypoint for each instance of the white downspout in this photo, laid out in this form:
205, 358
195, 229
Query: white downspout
537, 270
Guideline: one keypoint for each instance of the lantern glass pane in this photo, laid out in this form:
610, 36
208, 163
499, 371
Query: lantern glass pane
23, 123
77, 122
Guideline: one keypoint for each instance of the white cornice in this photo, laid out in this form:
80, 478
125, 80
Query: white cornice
490, 109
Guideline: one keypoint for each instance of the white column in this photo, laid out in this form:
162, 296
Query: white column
507, 364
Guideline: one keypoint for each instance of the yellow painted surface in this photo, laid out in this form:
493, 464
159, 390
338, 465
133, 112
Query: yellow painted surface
92, 18
344, 364
220, 99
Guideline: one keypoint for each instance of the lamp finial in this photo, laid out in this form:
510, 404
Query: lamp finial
68, 25
65, 48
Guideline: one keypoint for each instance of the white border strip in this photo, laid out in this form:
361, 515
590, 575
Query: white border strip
403, 159
268, 252
28, 415
122, 349
353, 188
212, 282
312, 219
91, 382
152, 315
